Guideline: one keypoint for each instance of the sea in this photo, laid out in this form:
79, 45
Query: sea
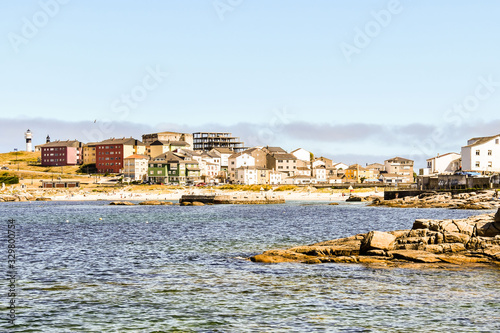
92, 267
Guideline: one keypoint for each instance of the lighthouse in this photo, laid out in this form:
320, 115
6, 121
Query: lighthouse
28, 137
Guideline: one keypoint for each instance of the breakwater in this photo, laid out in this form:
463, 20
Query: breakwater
248, 199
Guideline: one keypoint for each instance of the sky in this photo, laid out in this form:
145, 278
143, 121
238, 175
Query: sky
355, 81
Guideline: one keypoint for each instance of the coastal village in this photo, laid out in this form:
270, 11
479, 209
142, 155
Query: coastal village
211, 158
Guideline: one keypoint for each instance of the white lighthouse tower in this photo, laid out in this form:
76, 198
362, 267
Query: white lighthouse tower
28, 135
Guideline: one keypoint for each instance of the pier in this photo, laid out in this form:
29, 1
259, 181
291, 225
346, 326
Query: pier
242, 199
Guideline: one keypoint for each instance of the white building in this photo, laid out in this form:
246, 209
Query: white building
482, 154
320, 173
340, 166
135, 167
447, 163
239, 160
302, 154
275, 177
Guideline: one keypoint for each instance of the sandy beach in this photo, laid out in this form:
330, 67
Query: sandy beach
132, 194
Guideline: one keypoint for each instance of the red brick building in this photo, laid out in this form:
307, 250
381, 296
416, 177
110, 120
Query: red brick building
61, 153
110, 153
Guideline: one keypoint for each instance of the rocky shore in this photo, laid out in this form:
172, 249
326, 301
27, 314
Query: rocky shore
431, 243
471, 200
21, 197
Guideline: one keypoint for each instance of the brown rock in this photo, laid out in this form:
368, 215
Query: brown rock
497, 216
487, 229
416, 256
197, 203
121, 203
455, 237
377, 240
453, 247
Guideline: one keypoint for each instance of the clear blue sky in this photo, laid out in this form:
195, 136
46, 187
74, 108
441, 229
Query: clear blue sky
272, 72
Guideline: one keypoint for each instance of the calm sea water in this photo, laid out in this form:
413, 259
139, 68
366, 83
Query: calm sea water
181, 269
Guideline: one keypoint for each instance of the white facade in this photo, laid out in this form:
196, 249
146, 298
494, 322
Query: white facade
340, 165
482, 154
302, 154
320, 174
318, 163
239, 160
447, 163
275, 178
135, 168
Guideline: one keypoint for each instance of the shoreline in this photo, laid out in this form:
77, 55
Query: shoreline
134, 194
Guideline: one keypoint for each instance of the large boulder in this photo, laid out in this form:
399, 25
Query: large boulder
378, 240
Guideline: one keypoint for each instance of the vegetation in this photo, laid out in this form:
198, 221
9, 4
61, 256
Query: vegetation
286, 188
9, 179
251, 188
87, 168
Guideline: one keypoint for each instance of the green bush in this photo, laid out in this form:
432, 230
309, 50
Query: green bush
9, 179
286, 188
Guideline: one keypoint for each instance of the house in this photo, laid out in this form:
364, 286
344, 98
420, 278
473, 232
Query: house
253, 175
286, 163
250, 157
238, 160
357, 174
171, 168
299, 180
274, 150
320, 174
275, 177
168, 136
135, 167
61, 153
328, 162
340, 166
88, 153
392, 178
303, 171
376, 167
482, 154
159, 147
302, 154
441, 164
110, 153
335, 180
400, 166
318, 162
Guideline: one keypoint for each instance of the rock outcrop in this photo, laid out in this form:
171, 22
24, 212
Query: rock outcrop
471, 241
483, 200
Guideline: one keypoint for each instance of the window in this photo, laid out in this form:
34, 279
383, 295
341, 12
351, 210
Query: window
477, 152
497, 141
490, 164
477, 164
489, 152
